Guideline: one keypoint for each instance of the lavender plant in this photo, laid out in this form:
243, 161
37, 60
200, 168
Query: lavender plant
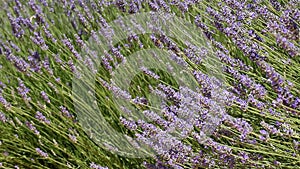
242, 113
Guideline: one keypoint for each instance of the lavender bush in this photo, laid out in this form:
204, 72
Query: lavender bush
242, 110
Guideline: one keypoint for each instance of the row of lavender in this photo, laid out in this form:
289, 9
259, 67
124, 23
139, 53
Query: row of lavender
257, 45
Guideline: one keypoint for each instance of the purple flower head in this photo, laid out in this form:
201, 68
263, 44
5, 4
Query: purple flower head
263, 132
23, 90
32, 128
72, 138
45, 96
96, 166
149, 72
41, 117
65, 112
2, 117
4, 102
39, 40
41, 153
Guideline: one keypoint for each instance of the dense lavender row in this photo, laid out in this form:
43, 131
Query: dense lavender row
248, 117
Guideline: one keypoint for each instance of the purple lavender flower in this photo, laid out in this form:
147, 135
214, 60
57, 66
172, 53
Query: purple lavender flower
4, 102
105, 62
45, 96
41, 153
16, 26
79, 41
128, 124
70, 46
49, 34
19, 63
41, 117
270, 129
263, 132
2, 117
23, 90
154, 6
72, 138
96, 166
39, 40
32, 127
65, 112
150, 73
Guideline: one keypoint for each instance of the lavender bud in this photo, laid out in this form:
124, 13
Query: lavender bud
45, 97
2, 118
41, 117
41, 153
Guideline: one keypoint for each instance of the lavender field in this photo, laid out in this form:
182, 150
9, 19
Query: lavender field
152, 84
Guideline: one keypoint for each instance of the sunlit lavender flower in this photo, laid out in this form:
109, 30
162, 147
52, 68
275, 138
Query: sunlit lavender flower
2, 117
96, 166
72, 138
79, 41
39, 40
287, 45
149, 72
65, 112
241, 125
41, 117
32, 128
41, 153
19, 63
131, 125
153, 5
105, 62
17, 30
118, 92
45, 96
4, 102
71, 47
23, 90
49, 34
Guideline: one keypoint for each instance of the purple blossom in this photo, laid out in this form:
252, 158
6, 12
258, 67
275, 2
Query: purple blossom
32, 128
39, 40
49, 34
149, 72
17, 30
241, 125
128, 124
65, 112
23, 90
105, 62
41, 117
118, 92
41, 153
263, 132
270, 129
72, 138
70, 46
154, 6
4, 102
2, 117
117, 54
45, 96
96, 166
79, 41
19, 63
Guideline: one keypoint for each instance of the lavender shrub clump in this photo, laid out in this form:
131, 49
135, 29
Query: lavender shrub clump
246, 118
